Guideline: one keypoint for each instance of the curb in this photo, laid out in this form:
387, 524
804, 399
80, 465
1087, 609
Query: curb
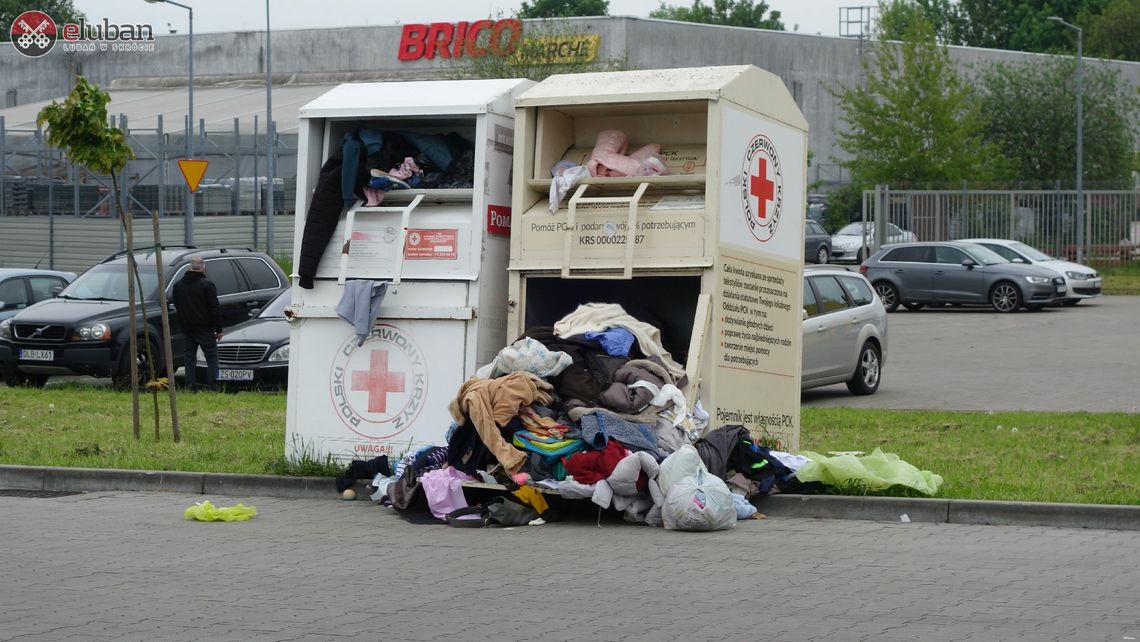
882, 509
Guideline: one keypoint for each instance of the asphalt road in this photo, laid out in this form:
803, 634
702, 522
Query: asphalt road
1066, 359
128, 566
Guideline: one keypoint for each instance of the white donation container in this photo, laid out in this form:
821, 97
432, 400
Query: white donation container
442, 252
711, 252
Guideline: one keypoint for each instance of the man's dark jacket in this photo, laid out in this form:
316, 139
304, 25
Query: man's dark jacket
196, 300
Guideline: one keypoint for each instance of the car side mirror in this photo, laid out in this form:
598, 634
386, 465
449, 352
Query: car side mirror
805, 316
1017, 260
969, 264
56, 290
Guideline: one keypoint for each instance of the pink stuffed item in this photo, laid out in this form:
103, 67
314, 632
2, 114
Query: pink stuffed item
609, 159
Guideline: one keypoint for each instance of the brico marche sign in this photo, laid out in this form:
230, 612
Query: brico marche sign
492, 38
34, 33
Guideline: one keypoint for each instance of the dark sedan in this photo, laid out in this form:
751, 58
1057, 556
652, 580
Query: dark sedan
955, 272
255, 354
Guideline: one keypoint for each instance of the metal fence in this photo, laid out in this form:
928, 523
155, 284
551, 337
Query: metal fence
1044, 219
41, 191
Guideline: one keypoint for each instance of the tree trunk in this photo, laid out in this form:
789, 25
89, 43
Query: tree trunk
132, 321
167, 350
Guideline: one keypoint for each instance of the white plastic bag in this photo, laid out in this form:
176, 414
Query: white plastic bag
701, 502
685, 462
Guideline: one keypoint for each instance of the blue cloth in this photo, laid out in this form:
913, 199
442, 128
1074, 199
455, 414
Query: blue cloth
360, 305
369, 141
386, 183
598, 428
744, 508
615, 341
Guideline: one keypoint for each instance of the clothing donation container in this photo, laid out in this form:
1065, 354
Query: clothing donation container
440, 249
704, 240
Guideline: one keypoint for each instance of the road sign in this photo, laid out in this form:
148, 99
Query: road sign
193, 170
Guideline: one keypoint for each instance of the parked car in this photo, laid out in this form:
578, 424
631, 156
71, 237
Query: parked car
20, 288
844, 331
255, 354
83, 331
817, 243
919, 274
850, 245
1083, 281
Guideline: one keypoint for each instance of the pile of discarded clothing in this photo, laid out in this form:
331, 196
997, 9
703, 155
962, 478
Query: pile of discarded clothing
591, 408
608, 158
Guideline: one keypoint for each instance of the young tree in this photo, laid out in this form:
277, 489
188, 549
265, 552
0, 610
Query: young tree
564, 8
731, 13
1031, 110
1116, 32
79, 127
913, 122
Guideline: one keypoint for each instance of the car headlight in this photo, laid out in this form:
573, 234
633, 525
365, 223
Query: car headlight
6, 329
280, 354
1077, 275
1039, 279
93, 332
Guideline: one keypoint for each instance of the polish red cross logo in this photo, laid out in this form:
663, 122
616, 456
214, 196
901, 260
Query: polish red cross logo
762, 187
378, 381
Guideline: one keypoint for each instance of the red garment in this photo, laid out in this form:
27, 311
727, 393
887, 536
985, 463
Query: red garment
592, 466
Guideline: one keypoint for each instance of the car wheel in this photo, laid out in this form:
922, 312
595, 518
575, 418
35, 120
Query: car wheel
122, 377
913, 306
868, 371
822, 256
1068, 303
889, 295
16, 379
1005, 297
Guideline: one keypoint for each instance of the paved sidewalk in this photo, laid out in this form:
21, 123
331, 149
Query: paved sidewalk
127, 566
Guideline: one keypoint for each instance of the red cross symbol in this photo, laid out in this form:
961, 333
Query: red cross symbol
378, 381
763, 189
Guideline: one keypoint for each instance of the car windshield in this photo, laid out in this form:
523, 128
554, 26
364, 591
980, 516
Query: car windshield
1034, 255
854, 229
984, 255
108, 282
276, 307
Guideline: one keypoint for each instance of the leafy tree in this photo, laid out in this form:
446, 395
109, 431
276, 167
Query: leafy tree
896, 17
1116, 32
564, 8
913, 122
1021, 25
79, 127
61, 11
1031, 108
731, 13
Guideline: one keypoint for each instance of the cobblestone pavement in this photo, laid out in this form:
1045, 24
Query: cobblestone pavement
127, 566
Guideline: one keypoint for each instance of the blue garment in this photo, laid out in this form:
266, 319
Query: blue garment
369, 141
386, 183
744, 508
433, 146
360, 305
598, 428
615, 341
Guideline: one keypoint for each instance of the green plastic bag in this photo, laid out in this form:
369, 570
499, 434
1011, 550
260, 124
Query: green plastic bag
877, 471
207, 512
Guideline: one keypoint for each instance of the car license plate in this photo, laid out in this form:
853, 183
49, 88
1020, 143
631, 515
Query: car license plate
37, 355
1062, 289
235, 375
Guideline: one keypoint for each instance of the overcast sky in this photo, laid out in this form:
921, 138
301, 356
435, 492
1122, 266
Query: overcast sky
812, 16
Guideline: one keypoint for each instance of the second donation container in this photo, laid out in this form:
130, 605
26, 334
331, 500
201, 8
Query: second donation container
439, 250
710, 251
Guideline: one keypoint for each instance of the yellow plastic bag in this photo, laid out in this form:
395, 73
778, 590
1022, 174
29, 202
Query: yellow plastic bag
207, 512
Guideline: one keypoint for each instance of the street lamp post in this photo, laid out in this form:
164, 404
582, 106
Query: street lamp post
189, 226
270, 133
1080, 140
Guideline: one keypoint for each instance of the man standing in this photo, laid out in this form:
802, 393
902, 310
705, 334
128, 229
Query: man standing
196, 301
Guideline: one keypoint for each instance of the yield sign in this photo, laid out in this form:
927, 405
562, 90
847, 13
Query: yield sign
192, 171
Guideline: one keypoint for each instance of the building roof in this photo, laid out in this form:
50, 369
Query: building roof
217, 106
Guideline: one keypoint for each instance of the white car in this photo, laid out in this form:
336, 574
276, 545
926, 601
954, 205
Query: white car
844, 331
847, 245
1083, 281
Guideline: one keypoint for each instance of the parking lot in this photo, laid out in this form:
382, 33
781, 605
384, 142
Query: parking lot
1065, 359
